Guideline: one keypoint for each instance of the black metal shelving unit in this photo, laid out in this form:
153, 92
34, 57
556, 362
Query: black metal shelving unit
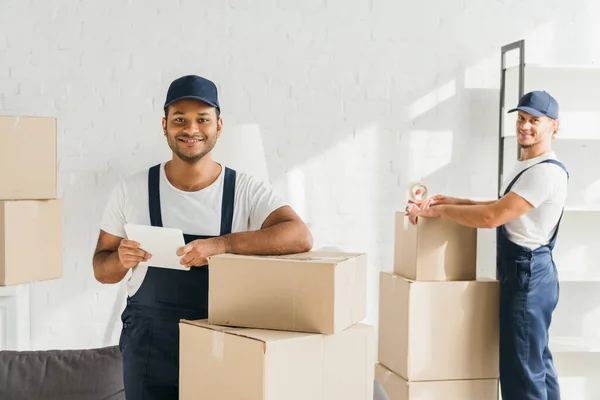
520, 46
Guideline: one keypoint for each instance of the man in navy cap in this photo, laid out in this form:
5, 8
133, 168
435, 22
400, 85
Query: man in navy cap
219, 211
526, 218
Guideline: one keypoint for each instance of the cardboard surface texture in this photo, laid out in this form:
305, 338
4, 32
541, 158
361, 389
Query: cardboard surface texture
315, 292
27, 158
469, 389
439, 330
30, 241
434, 250
251, 364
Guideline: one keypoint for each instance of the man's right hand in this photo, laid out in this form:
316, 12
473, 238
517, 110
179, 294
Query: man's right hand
130, 254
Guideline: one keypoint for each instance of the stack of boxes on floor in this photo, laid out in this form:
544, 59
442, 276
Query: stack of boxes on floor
283, 327
438, 324
30, 213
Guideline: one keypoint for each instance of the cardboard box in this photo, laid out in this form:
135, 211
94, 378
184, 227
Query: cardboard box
397, 388
315, 292
253, 364
434, 250
30, 241
439, 330
27, 158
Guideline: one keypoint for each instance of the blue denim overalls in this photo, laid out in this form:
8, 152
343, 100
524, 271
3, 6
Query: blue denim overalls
149, 340
529, 292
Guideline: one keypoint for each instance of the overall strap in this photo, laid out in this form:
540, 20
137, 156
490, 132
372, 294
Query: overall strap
228, 200
551, 161
556, 162
154, 195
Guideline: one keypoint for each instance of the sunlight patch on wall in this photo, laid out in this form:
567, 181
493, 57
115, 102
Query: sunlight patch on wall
296, 191
429, 151
339, 183
240, 147
432, 99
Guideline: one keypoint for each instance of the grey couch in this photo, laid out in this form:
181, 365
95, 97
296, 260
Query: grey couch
93, 374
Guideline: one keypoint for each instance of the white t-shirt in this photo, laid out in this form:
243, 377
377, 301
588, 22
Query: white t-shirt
545, 187
195, 213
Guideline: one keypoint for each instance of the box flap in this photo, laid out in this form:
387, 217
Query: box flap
262, 335
312, 256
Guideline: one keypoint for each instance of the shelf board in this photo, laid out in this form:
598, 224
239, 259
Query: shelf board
574, 277
558, 66
560, 139
583, 208
574, 344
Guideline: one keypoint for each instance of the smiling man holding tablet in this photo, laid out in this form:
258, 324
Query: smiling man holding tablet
218, 210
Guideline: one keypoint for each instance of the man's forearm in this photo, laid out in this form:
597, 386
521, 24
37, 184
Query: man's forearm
467, 202
108, 268
284, 238
474, 216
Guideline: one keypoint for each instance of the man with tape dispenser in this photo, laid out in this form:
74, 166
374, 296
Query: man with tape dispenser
219, 210
526, 218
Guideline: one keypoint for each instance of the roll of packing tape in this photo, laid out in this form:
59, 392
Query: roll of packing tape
418, 192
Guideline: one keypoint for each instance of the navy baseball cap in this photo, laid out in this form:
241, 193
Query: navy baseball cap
193, 87
538, 103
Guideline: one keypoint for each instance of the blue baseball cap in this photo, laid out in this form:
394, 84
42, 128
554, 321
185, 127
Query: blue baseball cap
538, 103
193, 87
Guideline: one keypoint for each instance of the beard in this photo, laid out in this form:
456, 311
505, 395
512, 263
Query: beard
529, 145
535, 142
208, 143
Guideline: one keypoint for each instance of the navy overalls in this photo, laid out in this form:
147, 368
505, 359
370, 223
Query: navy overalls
149, 340
529, 292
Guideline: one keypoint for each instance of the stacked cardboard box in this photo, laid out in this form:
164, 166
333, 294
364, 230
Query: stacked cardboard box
30, 213
438, 323
285, 327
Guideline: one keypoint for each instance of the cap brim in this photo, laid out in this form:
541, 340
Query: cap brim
202, 99
528, 110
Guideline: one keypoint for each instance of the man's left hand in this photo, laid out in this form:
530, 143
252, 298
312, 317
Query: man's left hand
196, 253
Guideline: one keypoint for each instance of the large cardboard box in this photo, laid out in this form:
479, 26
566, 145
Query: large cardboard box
252, 364
397, 388
439, 330
27, 158
315, 292
434, 249
30, 241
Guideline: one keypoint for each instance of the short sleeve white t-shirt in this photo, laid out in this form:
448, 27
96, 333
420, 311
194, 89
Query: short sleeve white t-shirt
545, 187
195, 213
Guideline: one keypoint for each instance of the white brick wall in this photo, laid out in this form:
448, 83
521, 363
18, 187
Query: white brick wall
342, 92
